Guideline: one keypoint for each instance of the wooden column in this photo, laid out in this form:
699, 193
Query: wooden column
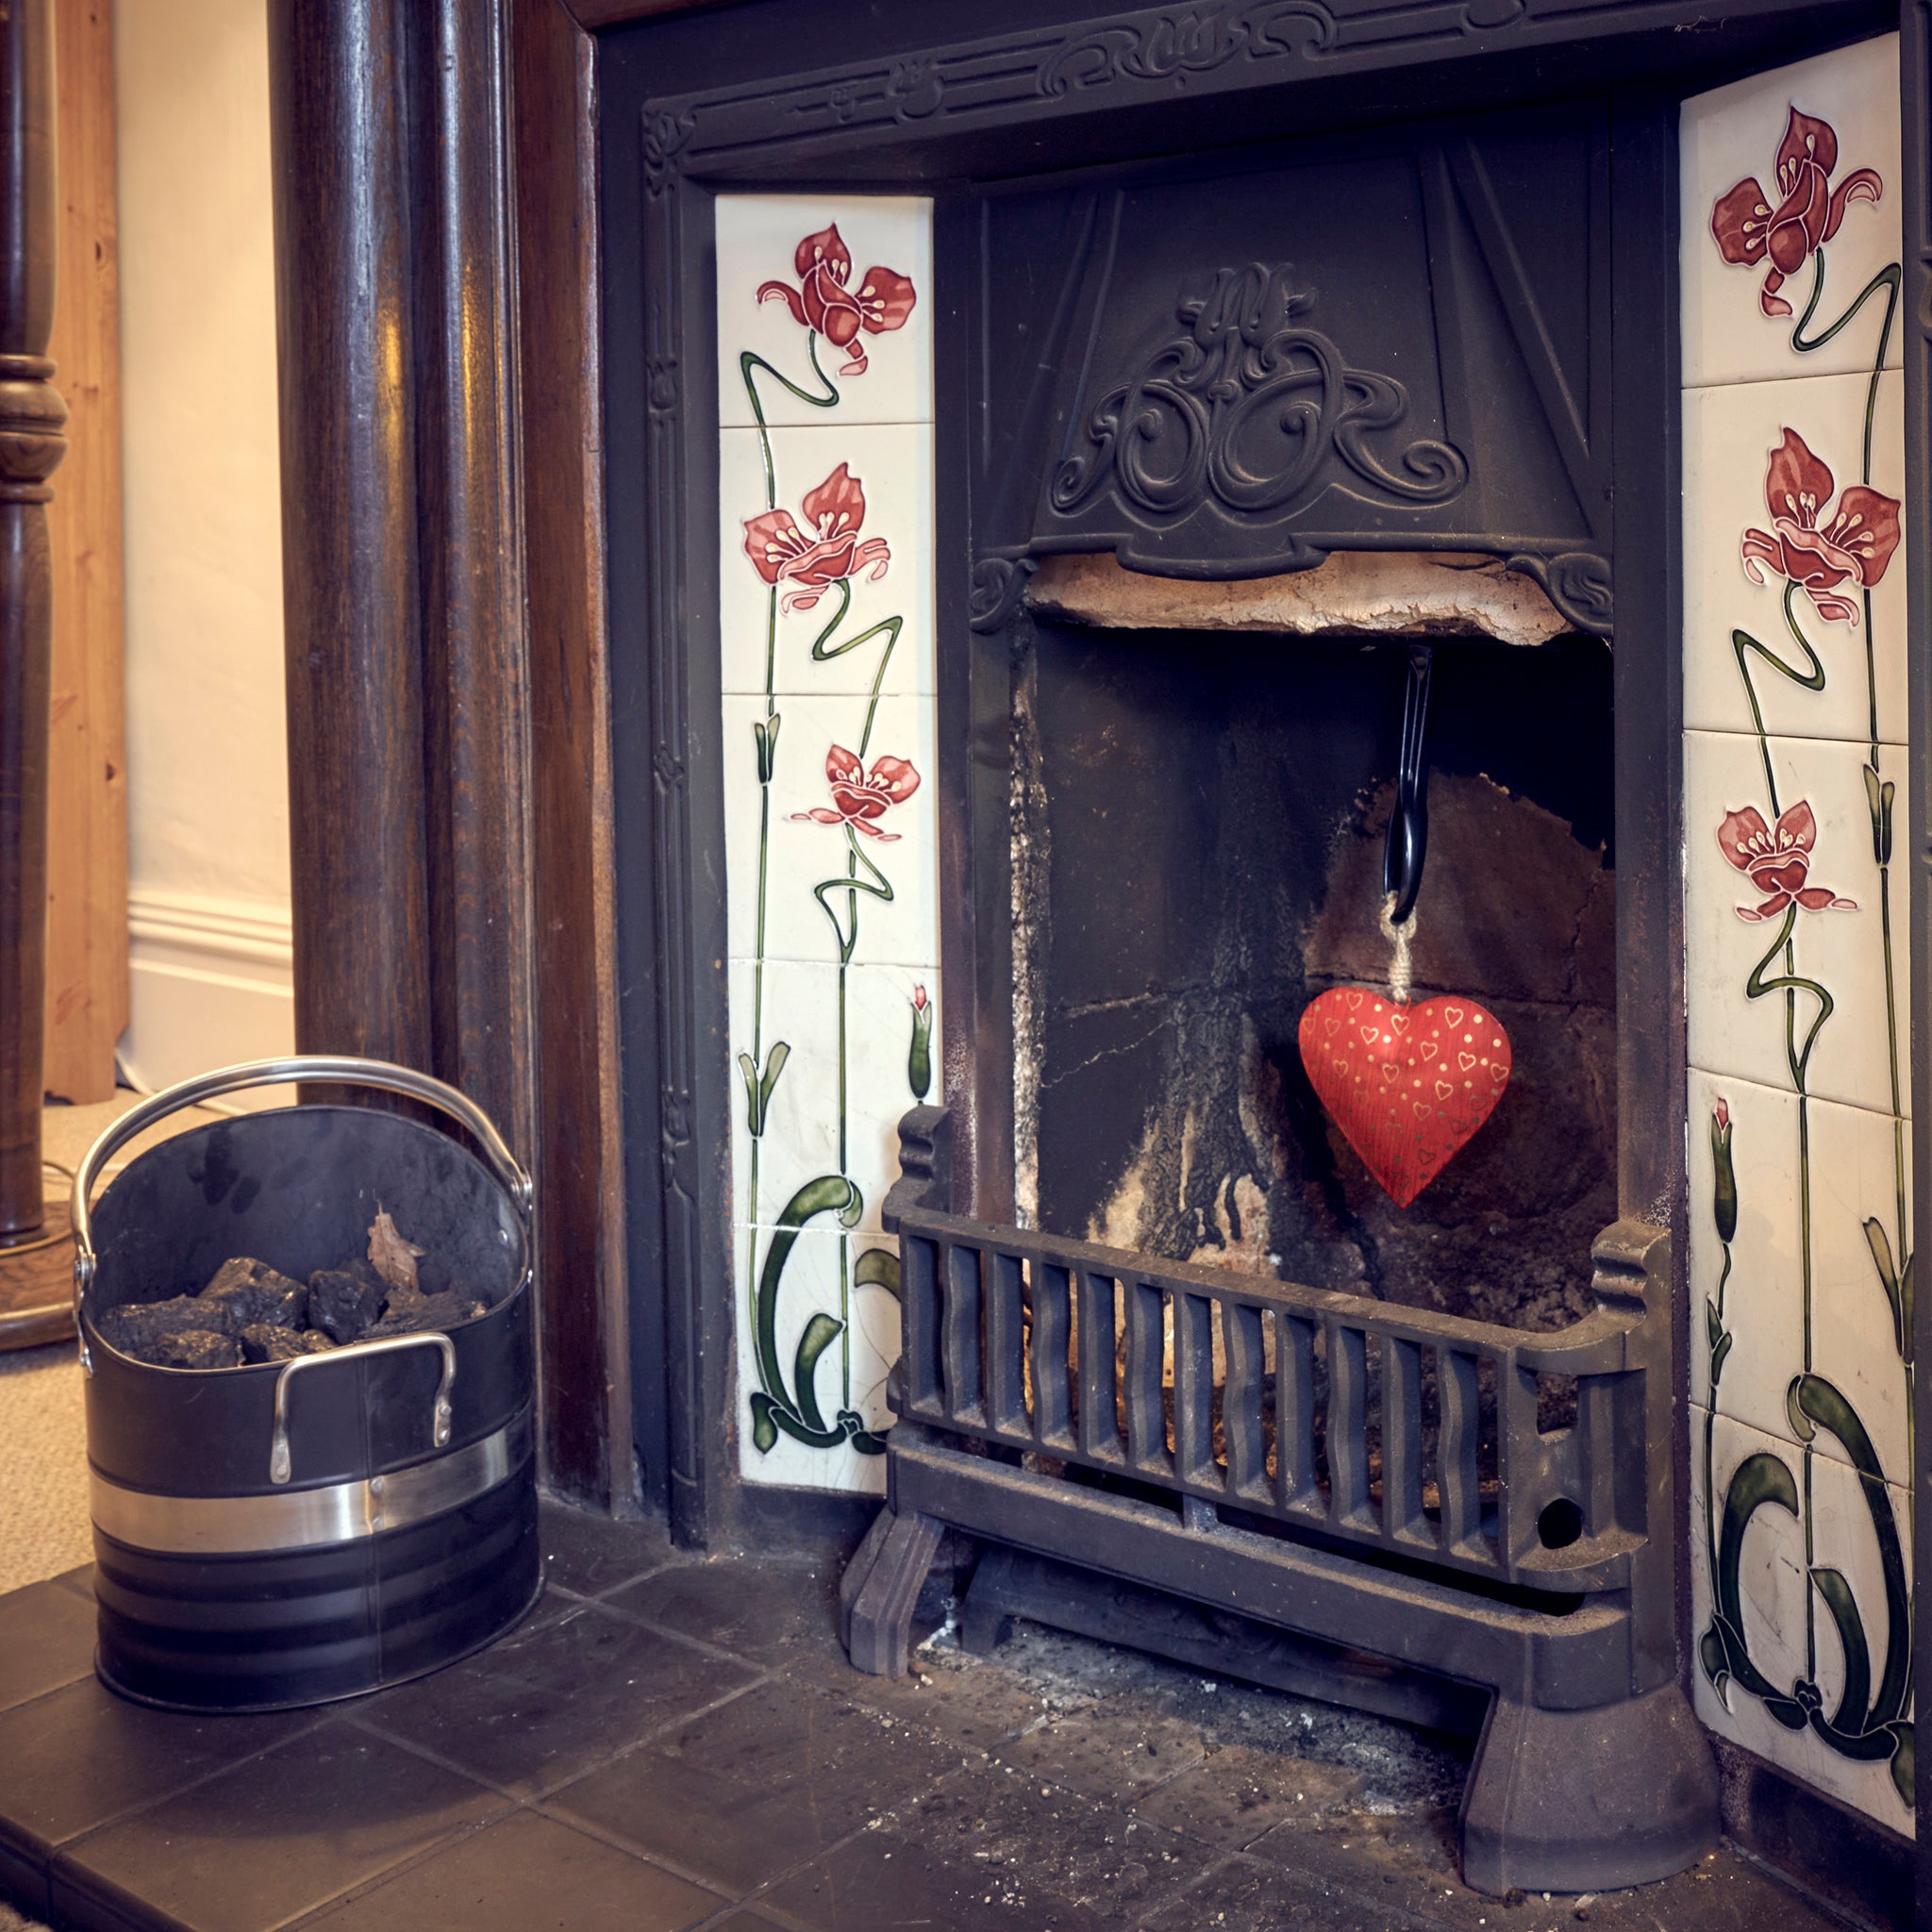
31, 416
352, 615
407, 628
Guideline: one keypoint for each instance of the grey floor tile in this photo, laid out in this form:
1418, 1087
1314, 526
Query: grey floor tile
590, 1554
889, 1879
519, 1873
80, 1757
1053, 1842
50, 1641
772, 1612
551, 1702
277, 1837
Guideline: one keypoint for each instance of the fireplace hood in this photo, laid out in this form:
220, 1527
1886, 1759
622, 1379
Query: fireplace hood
1422, 367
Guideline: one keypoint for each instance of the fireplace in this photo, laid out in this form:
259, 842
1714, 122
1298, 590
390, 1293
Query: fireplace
1064, 621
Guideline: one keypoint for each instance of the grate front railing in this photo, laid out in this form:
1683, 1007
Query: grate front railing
1504, 1453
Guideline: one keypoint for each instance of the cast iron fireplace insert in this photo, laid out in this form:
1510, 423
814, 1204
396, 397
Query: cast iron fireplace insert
1364, 1463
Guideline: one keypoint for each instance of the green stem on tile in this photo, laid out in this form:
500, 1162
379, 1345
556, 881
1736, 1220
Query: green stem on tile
749, 365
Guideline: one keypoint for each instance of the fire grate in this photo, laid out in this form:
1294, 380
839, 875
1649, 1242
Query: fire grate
1463, 1498
1377, 1426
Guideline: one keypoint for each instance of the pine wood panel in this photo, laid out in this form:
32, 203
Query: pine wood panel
87, 806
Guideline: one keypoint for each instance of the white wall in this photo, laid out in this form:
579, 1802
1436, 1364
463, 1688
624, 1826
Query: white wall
207, 777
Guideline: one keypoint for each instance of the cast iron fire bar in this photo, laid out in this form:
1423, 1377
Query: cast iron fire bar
1063, 1398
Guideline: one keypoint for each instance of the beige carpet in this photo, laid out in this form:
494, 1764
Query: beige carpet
44, 1516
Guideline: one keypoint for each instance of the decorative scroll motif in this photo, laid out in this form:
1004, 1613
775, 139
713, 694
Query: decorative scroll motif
665, 135
998, 584
1579, 583
1035, 73
1247, 406
915, 88
1190, 40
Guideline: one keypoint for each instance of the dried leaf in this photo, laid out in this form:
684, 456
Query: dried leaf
389, 1254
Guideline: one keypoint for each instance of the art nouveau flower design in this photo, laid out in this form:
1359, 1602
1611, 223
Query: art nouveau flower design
1833, 552
811, 561
1776, 859
861, 798
1748, 228
1817, 548
824, 300
919, 1056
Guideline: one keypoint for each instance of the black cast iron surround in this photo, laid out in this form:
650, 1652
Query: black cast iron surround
786, 94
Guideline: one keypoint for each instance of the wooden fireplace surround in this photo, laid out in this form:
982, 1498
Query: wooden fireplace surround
450, 648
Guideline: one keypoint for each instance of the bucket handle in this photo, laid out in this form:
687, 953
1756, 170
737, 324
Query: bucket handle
441, 1416
337, 1069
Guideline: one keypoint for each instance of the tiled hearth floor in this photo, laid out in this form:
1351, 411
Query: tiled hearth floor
669, 1743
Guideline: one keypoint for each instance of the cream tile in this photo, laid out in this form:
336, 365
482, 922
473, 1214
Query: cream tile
1771, 1595
800, 1010
893, 465
1856, 1166
758, 236
1729, 435
850, 1374
804, 852
1840, 949
1734, 134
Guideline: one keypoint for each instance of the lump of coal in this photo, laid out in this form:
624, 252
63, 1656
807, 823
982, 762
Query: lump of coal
411, 1312
195, 1348
248, 1292
138, 1328
261, 1343
344, 1302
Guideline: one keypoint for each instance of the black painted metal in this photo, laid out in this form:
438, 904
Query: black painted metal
1419, 375
295, 1627
1408, 823
298, 1188
1297, 1408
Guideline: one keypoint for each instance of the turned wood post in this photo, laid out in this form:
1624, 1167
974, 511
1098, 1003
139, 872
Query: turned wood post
351, 614
31, 416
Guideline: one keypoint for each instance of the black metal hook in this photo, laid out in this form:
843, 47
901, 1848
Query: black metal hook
1408, 823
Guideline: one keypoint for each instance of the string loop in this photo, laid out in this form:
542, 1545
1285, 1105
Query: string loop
1400, 936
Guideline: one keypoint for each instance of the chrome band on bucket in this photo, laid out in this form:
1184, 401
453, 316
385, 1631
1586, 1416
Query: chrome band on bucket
301, 1519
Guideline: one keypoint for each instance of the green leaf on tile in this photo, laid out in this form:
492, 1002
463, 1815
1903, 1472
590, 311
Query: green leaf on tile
878, 1268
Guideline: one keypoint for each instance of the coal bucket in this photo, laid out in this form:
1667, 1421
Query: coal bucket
289, 1533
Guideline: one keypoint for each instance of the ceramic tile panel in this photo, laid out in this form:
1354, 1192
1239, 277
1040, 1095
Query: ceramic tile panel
1801, 1623
1824, 662
1763, 821
889, 1018
825, 606
834, 293
1796, 959
825, 634
1791, 186
1753, 1202
845, 803
815, 1344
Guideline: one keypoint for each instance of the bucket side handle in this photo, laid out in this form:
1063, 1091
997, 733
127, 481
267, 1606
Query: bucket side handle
335, 1069
280, 1461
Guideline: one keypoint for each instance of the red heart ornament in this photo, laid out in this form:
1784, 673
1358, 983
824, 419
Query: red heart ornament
1407, 1085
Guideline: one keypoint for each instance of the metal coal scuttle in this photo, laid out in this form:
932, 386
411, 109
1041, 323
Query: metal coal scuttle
286, 1534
